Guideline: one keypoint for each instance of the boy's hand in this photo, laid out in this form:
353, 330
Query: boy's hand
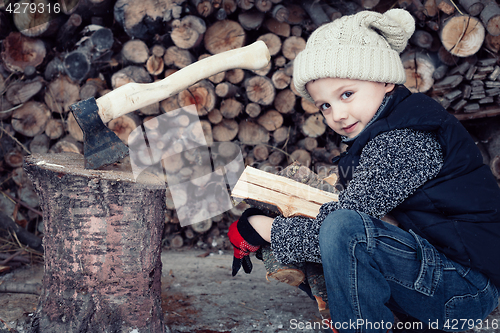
245, 240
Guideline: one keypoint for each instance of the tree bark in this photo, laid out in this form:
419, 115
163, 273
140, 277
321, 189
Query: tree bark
102, 245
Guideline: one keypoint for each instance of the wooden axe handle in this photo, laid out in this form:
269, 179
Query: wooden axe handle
133, 96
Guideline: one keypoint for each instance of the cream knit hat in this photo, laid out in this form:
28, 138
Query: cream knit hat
364, 46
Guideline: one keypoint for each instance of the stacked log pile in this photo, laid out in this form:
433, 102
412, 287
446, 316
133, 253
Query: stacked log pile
82, 49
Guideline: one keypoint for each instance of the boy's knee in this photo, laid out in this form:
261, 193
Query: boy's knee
340, 225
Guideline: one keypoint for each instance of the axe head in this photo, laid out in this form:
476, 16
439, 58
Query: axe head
101, 146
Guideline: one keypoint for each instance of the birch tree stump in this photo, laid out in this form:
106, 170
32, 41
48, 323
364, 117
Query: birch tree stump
102, 244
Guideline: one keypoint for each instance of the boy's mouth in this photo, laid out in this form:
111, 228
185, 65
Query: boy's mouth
350, 128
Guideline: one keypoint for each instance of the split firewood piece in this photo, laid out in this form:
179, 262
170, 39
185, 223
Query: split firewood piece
202, 94
19, 52
271, 120
135, 51
188, 32
301, 156
292, 274
260, 152
296, 15
226, 90
6, 108
202, 227
279, 28
30, 119
67, 32
54, 128
276, 157
289, 196
260, 89
40, 144
155, 64
308, 144
74, 130
273, 42
203, 7
22, 91
251, 20
230, 108
264, 70
280, 79
292, 46
214, 116
419, 68
473, 7
285, 101
462, 35
280, 13
143, 19
68, 144
226, 130
446, 6
245, 4
235, 76
216, 78
91, 88
130, 74
253, 109
223, 36
490, 16
36, 17
422, 39
282, 134
308, 106
14, 158
492, 43
317, 13
331, 12
314, 126
263, 5
251, 133
178, 57
61, 93
124, 125
229, 6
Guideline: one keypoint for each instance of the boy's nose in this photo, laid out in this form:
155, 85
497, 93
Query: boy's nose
339, 114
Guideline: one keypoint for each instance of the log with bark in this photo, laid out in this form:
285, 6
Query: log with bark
102, 247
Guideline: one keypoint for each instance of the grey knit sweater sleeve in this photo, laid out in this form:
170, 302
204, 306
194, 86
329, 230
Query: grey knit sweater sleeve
391, 167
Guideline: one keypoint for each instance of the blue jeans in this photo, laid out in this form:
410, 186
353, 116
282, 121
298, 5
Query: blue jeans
372, 268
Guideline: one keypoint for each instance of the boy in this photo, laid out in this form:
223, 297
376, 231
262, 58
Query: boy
406, 157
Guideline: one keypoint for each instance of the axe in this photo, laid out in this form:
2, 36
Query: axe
101, 146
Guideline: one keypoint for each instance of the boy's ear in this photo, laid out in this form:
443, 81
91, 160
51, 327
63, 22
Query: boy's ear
389, 87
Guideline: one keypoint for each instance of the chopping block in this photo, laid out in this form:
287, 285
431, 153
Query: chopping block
102, 242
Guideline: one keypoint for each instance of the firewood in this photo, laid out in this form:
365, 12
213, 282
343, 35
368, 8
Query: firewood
143, 19
40, 144
135, 51
331, 12
130, 74
260, 89
251, 20
316, 12
279, 28
253, 110
230, 108
273, 42
251, 133
276, 157
226, 90
155, 63
280, 13
91, 88
224, 36
271, 120
297, 14
289, 196
73, 129
30, 119
446, 57
68, 144
226, 130
446, 6
5, 26
22, 91
54, 128
202, 94
462, 35
61, 93
178, 57
280, 79
292, 46
19, 51
473, 7
308, 144
291, 274
301, 156
314, 126
419, 68
308, 106
124, 125
229, 6
492, 43
188, 32
260, 152
14, 158
203, 7
235, 76
36, 20
215, 116
422, 39
217, 78
67, 31
202, 227
245, 4
285, 101
490, 16
282, 134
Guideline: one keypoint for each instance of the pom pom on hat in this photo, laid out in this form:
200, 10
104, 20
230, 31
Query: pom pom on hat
363, 46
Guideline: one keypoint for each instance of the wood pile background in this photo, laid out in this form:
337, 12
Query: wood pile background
72, 50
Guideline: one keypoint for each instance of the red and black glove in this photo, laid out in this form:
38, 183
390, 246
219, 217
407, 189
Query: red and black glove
245, 240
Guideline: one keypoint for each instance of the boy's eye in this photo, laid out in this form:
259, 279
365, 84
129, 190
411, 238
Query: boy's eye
346, 95
324, 106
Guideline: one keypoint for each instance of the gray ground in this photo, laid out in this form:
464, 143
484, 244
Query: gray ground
199, 295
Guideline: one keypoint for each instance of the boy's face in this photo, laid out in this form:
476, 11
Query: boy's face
347, 105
